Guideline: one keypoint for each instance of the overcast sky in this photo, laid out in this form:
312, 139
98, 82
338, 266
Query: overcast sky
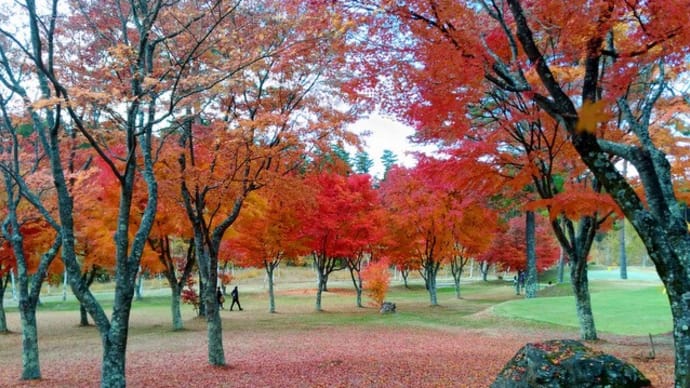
386, 134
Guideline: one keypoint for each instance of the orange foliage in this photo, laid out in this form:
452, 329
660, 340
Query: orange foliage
376, 280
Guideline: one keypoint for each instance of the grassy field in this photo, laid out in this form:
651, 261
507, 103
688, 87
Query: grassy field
462, 342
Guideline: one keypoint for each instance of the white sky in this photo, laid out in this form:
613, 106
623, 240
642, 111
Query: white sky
386, 134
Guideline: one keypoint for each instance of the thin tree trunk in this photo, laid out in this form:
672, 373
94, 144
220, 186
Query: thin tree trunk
405, 273
175, 307
531, 245
457, 287
319, 289
139, 286
271, 295
202, 301
484, 269
433, 298
431, 269
622, 257
3, 318
357, 283
456, 266
561, 266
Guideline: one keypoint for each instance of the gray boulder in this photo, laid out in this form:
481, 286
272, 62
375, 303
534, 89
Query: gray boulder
387, 307
567, 363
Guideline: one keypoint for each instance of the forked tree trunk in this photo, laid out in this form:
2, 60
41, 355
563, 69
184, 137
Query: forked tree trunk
430, 271
405, 273
357, 283
433, 297
484, 269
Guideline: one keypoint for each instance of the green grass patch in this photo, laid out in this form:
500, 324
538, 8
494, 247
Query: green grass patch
620, 311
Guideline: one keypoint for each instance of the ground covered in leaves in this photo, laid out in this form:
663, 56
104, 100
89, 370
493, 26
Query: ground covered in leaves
321, 355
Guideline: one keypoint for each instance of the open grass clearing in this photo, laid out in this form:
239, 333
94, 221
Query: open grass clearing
618, 308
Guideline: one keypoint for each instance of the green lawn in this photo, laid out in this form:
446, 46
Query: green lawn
616, 309
627, 308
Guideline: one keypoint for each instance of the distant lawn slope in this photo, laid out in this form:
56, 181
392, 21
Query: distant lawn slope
627, 312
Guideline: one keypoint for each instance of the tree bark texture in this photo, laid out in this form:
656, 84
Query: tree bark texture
531, 247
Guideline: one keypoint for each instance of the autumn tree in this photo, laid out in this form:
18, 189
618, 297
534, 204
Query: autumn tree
128, 72
268, 232
338, 225
260, 124
630, 56
508, 249
421, 213
25, 232
473, 234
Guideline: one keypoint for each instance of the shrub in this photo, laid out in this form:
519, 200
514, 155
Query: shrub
376, 280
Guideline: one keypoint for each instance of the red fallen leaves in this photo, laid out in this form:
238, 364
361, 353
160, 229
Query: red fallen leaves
362, 356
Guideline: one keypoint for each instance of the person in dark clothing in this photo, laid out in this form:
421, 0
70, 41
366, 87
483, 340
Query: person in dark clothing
221, 298
235, 299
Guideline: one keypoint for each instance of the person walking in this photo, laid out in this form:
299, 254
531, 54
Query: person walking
235, 299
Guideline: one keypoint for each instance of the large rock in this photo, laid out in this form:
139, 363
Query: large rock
387, 308
567, 363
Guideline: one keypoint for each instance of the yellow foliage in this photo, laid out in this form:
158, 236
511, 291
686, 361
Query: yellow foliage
46, 102
591, 114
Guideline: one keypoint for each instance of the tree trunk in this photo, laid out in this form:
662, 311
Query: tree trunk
31, 367
139, 286
175, 307
271, 295
679, 298
202, 301
583, 304
531, 246
484, 269
405, 273
561, 266
216, 354
83, 316
3, 318
457, 286
433, 299
324, 282
114, 353
357, 282
431, 269
319, 289
457, 264
622, 257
